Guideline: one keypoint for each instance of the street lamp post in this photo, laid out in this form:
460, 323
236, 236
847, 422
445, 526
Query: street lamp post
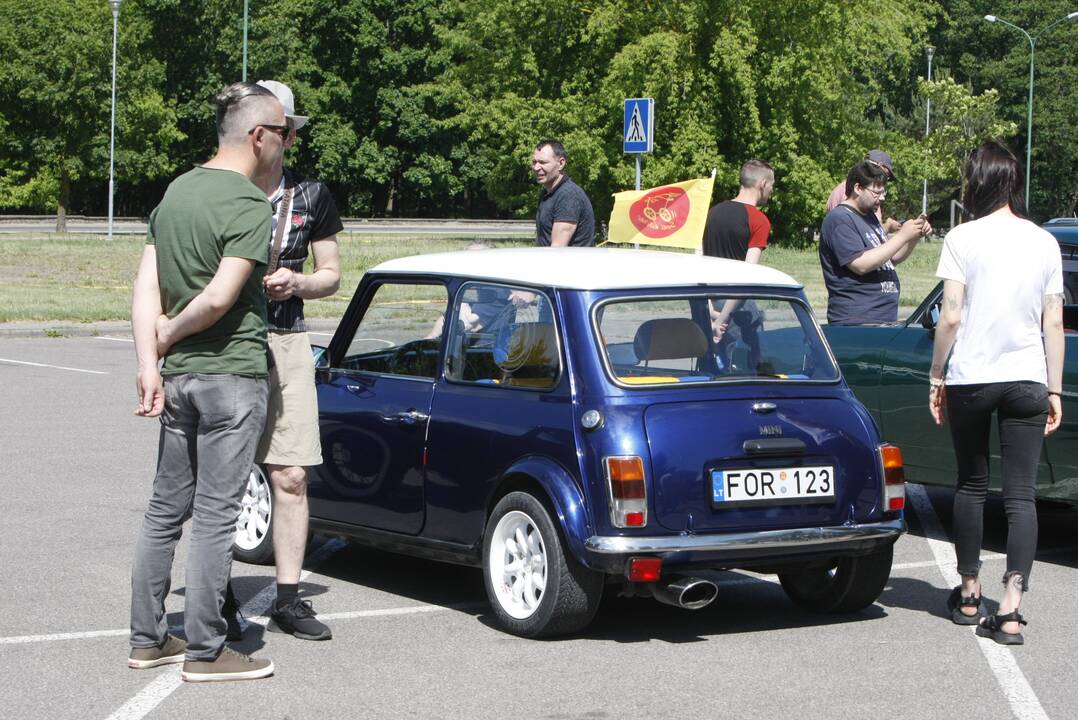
244, 75
115, 5
929, 53
1029, 114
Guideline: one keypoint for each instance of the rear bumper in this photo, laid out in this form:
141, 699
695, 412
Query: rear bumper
609, 553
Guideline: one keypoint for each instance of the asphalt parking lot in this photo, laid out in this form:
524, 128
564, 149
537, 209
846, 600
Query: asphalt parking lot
415, 639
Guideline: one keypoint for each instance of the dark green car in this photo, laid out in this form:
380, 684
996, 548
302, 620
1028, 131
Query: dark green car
887, 368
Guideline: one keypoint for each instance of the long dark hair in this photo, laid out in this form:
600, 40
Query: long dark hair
993, 179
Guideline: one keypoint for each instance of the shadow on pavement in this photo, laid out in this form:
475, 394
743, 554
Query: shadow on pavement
1057, 541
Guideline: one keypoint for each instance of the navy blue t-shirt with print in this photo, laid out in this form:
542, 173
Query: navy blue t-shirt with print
854, 299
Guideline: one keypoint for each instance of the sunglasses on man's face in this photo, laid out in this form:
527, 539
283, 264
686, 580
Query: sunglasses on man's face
281, 130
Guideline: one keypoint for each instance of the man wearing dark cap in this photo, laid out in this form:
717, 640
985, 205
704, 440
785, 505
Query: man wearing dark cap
879, 159
858, 258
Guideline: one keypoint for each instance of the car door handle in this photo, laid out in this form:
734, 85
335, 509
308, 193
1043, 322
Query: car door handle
774, 446
408, 417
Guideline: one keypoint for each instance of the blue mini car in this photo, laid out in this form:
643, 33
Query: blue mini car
571, 418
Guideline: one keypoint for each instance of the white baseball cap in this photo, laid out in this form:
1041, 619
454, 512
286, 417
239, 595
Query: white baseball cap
288, 102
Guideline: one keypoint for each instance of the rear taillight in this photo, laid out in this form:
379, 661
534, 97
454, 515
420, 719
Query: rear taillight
628, 491
894, 478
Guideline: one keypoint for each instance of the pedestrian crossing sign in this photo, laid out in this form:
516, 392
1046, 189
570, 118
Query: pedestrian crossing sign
637, 130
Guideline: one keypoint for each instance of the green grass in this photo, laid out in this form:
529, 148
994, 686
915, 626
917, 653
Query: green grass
917, 274
87, 278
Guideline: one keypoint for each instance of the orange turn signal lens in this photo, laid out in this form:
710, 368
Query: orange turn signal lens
894, 469
626, 478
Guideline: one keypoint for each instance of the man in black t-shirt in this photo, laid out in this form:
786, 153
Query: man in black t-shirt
291, 441
857, 257
564, 216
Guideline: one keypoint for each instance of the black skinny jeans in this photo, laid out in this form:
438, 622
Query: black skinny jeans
1022, 409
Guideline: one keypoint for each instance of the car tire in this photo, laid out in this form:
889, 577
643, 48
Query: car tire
535, 588
254, 527
851, 584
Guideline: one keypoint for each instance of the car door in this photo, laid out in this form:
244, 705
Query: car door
903, 396
374, 406
926, 447
504, 396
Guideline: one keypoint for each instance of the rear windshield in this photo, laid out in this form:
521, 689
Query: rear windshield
712, 339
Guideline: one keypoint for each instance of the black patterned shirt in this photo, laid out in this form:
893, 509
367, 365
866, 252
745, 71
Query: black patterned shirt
313, 216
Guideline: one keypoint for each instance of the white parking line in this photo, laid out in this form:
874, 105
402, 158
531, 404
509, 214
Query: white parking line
56, 367
1016, 689
153, 694
53, 637
114, 339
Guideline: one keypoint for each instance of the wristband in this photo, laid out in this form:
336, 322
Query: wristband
1056, 393
935, 382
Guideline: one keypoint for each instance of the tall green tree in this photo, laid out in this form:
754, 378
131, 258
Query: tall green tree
993, 56
55, 96
792, 83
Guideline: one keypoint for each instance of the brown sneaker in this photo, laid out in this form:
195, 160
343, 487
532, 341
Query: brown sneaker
229, 665
169, 652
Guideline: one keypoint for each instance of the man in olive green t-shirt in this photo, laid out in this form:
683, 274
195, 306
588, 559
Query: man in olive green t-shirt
198, 305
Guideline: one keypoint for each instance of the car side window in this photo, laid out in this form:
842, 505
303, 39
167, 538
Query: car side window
400, 331
503, 336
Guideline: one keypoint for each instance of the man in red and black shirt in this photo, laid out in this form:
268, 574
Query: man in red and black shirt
737, 230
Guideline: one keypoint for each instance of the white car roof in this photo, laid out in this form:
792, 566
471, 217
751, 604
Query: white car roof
590, 268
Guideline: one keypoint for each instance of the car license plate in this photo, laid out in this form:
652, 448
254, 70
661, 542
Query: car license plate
773, 486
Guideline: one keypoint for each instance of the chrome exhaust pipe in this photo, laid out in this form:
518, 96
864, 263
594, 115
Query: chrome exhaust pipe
686, 592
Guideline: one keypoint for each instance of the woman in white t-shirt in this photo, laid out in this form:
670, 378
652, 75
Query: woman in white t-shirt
1002, 288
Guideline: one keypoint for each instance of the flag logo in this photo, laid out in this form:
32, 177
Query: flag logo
661, 212
671, 215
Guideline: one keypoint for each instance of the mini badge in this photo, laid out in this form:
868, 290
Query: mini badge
297, 220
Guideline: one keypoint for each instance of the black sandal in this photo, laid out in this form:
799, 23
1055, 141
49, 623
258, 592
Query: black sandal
992, 627
956, 601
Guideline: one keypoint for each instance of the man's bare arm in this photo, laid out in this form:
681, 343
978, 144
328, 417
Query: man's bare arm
207, 307
145, 309
561, 233
875, 258
323, 282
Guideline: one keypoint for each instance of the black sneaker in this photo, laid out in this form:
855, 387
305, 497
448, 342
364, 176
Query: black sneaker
297, 618
232, 615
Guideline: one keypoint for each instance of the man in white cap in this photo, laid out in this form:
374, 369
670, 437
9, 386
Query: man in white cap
305, 219
881, 160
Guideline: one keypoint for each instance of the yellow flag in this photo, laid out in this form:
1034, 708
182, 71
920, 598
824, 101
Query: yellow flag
671, 215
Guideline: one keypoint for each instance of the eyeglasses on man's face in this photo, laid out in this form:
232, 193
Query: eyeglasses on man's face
876, 192
281, 130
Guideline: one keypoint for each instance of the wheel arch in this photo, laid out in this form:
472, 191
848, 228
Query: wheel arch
555, 487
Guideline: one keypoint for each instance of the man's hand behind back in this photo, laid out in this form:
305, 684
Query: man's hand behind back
151, 392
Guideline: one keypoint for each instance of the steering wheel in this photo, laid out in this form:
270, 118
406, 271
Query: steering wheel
399, 362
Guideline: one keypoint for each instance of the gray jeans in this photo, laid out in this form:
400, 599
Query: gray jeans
209, 432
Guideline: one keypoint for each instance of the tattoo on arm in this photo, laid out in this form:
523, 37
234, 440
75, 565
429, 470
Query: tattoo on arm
1054, 301
953, 303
